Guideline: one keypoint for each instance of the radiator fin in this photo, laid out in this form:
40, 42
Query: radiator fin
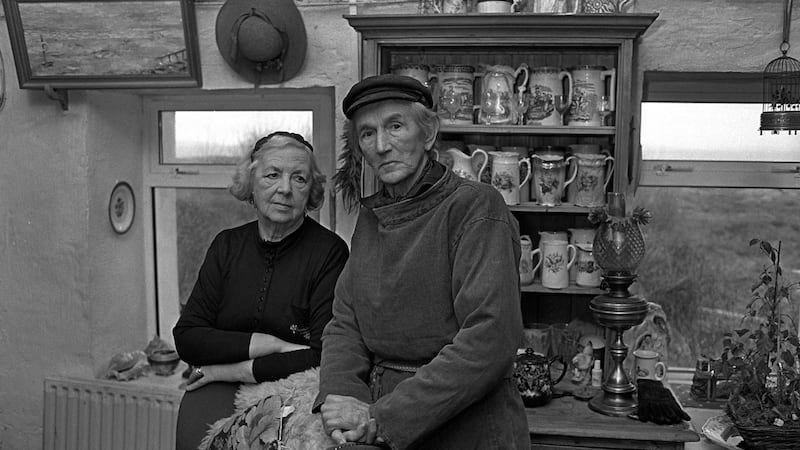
99, 415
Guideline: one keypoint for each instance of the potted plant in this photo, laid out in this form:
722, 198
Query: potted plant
762, 355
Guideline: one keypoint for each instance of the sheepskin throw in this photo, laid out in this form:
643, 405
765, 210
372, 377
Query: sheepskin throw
266, 411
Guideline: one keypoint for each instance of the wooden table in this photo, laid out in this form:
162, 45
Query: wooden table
568, 423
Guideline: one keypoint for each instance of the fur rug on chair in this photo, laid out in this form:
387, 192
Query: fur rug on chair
255, 423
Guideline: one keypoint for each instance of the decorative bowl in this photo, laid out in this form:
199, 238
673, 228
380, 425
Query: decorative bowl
164, 362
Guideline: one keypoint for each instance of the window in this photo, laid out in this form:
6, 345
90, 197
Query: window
194, 142
713, 183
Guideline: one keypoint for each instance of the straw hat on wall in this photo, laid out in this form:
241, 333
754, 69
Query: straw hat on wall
264, 41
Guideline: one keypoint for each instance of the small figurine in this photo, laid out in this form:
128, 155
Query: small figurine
582, 364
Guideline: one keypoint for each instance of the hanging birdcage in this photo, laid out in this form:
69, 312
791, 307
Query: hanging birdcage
781, 89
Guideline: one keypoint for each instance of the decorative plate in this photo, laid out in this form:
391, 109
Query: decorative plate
121, 207
720, 430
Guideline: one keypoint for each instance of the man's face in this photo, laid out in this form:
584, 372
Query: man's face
282, 184
392, 143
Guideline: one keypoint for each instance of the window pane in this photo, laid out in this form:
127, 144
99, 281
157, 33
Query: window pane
699, 266
711, 132
223, 137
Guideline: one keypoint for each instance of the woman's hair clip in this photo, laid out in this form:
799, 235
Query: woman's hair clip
288, 134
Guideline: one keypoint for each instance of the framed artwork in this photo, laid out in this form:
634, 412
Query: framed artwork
104, 44
121, 207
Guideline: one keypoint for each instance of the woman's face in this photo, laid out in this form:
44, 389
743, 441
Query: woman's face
282, 184
392, 143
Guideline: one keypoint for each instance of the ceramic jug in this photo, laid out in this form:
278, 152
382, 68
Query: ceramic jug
545, 84
549, 172
588, 85
574, 149
524, 191
527, 269
587, 271
557, 257
579, 237
420, 72
593, 174
505, 175
497, 87
463, 163
533, 377
454, 88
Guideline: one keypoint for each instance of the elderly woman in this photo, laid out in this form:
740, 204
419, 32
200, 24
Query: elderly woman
426, 316
264, 292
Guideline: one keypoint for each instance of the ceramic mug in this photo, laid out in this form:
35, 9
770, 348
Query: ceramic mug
556, 259
648, 366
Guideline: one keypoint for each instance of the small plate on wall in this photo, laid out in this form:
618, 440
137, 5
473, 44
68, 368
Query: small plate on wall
121, 207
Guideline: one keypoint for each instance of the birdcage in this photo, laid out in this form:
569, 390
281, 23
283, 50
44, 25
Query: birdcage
781, 88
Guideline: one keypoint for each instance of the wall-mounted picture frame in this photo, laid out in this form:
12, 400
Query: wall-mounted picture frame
121, 207
104, 44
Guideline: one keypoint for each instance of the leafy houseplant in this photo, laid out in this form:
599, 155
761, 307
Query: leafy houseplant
763, 359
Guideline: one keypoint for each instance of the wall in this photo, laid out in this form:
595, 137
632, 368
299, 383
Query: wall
71, 290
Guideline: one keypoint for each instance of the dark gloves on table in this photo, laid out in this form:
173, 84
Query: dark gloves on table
657, 404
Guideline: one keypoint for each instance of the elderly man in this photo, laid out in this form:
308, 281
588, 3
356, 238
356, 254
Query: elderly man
426, 316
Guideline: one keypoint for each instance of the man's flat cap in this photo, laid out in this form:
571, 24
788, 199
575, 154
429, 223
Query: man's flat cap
385, 87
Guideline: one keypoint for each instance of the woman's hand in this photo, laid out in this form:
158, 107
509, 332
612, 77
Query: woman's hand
236, 372
262, 344
347, 420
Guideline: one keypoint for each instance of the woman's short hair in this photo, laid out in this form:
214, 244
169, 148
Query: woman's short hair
242, 184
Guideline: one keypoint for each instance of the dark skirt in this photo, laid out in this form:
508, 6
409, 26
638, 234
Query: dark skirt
201, 408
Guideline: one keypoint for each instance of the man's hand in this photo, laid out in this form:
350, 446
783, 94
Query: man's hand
347, 420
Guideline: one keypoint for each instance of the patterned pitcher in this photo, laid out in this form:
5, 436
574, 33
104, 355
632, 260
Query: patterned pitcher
454, 89
505, 175
545, 84
587, 88
593, 174
497, 89
549, 172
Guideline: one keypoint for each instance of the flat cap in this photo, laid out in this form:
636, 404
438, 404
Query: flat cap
385, 87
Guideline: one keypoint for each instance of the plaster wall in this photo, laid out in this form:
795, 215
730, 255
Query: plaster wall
72, 291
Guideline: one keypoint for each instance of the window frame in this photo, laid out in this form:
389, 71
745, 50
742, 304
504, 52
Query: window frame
161, 280
709, 87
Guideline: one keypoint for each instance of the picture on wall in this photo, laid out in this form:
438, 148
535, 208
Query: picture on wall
104, 44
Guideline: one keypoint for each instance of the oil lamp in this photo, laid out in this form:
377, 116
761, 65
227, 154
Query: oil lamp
618, 250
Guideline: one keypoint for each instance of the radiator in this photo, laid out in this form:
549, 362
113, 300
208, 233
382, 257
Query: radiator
82, 414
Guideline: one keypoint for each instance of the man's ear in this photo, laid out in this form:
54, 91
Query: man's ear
431, 140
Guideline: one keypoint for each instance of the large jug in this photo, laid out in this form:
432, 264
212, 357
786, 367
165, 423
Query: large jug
593, 174
588, 85
455, 96
549, 173
505, 175
463, 165
527, 270
579, 237
497, 87
557, 257
546, 85
420, 72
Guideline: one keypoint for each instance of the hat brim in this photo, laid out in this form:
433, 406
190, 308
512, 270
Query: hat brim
283, 13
